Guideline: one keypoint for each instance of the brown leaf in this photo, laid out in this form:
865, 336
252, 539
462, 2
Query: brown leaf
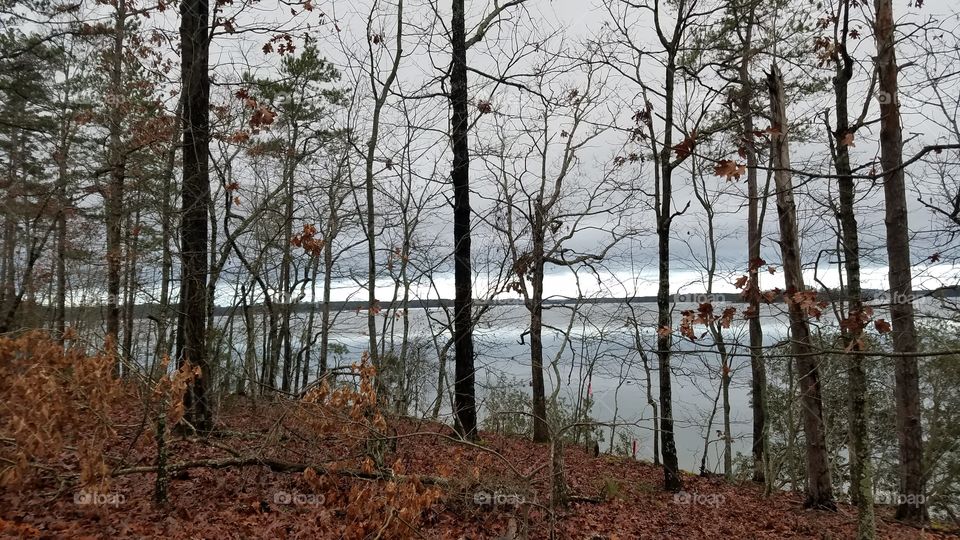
882, 326
729, 169
685, 147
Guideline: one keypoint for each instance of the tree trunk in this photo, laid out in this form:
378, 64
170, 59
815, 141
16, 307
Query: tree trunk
115, 189
130, 292
286, 262
758, 372
249, 377
311, 319
541, 427
861, 472
465, 399
906, 371
325, 311
671, 468
819, 488
196, 201
60, 302
166, 234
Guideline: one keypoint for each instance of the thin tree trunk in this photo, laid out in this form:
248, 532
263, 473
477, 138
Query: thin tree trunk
464, 392
541, 428
380, 100
671, 469
285, 281
130, 295
63, 206
758, 372
819, 488
311, 319
166, 234
325, 311
706, 437
249, 378
861, 470
906, 370
115, 189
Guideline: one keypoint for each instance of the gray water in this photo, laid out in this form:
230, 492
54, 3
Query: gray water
600, 356
597, 352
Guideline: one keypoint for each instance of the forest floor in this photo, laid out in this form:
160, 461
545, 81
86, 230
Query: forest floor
219, 493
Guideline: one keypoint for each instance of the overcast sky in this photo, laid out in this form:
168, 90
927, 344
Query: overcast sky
566, 25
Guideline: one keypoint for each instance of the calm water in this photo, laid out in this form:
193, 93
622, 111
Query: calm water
600, 355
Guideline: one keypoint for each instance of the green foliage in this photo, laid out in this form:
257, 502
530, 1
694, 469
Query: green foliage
303, 95
508, 409
509, 412
785, 415
611, 488
939, 385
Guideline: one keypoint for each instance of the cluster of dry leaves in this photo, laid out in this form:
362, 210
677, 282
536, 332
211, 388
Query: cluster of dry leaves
331, 465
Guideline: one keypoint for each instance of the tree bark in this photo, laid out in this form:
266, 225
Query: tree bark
115, 189
758, 372
906, 371
464, 397
541, 428
819, 488
195, 203
861, 471
671, 468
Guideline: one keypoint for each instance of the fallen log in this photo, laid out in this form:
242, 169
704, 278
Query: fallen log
276, 465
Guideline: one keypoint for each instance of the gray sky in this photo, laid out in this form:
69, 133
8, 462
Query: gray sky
564, 26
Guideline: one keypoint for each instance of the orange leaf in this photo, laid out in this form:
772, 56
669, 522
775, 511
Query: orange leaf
882, 326
729, 169
685, 148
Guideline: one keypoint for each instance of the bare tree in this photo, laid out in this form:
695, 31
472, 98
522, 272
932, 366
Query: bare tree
819, 486
907, 374
196, 201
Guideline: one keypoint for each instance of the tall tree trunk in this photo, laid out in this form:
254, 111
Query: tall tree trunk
62, 156
325, 310
405, 320
758, 372
906, 370
115, 189
196, 201
286, 262
727, 434
60, 301
166, 235
9, 289
464, 407
819, 488
249, 377
130, 292
861, 471
380, 100
541, 428
311, 319
671, 468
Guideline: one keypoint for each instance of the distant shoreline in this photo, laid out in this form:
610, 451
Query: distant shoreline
735, 297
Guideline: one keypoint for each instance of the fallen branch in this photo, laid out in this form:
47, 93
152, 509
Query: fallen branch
276, 465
